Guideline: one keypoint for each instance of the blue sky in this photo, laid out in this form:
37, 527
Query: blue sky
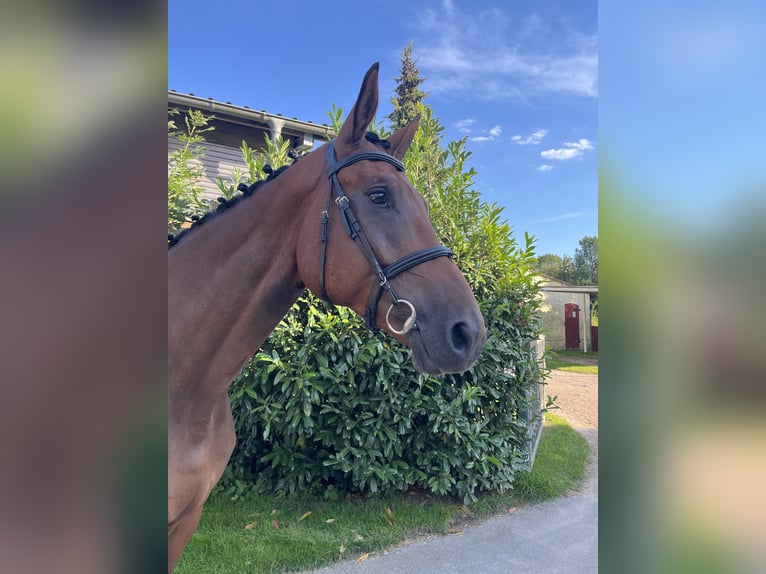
518, 79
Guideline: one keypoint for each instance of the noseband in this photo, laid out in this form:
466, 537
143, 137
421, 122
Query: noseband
383, 275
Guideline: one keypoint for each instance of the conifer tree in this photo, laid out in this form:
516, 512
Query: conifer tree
408, 92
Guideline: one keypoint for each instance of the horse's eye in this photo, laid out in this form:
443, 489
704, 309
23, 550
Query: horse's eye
378, 197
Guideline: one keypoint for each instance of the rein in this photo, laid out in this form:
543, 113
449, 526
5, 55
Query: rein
383, 275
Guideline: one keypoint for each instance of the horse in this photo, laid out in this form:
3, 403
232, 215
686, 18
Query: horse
344, 222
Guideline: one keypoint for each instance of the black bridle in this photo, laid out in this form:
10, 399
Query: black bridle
383, 275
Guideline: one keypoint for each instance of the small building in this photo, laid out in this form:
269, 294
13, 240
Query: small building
566, 313
233, 124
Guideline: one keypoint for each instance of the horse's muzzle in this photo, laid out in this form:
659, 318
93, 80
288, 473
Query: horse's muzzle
442, 348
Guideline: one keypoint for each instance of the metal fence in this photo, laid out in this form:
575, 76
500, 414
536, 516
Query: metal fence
532, 410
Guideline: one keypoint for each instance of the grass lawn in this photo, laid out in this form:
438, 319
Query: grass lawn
265, 534
558, 360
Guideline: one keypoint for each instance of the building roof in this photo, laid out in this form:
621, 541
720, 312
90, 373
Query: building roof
243, 115
590, 289
550, 279
553, 285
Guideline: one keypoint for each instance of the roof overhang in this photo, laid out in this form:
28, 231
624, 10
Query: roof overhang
244, 113
589, 289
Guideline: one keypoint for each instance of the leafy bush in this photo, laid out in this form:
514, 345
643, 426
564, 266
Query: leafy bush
274, 155
328, 407
184, 169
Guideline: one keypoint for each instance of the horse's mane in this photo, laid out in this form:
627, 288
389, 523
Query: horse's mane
247, 190
225, 204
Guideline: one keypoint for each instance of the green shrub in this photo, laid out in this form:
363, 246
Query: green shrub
325, 406
185, 170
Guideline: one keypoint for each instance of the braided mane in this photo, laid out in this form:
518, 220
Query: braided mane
247, 190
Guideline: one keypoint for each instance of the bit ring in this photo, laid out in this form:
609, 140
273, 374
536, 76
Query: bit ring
409, 323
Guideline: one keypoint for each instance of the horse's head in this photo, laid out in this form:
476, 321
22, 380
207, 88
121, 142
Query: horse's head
381, 256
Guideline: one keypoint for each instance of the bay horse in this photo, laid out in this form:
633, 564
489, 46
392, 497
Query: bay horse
342, 219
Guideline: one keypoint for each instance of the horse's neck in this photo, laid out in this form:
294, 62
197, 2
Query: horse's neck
231, 282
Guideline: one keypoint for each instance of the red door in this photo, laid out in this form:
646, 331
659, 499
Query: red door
572, 325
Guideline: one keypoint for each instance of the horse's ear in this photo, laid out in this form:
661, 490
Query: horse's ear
401, 139
356, 124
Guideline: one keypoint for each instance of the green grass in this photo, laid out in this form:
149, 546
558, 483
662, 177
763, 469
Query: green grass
240, 536
561, 463
576, 353
558, 360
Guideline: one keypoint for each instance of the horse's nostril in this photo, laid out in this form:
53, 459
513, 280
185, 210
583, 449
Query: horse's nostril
462, 337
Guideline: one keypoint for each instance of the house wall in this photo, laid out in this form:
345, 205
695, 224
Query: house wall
222, 144
552, 309
552, 305
219, 161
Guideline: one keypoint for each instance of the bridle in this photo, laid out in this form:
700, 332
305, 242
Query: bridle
383, 275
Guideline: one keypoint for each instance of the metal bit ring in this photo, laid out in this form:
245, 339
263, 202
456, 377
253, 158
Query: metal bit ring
409, 323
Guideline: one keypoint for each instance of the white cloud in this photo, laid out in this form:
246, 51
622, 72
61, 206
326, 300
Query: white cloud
570, 150
561, 153
464, 126
487, 55
562, 217
545, 167
534, 138
492, 135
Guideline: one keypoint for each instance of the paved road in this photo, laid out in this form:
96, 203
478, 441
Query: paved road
555, 537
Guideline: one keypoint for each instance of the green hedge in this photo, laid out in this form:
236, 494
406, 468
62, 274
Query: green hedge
327, 407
